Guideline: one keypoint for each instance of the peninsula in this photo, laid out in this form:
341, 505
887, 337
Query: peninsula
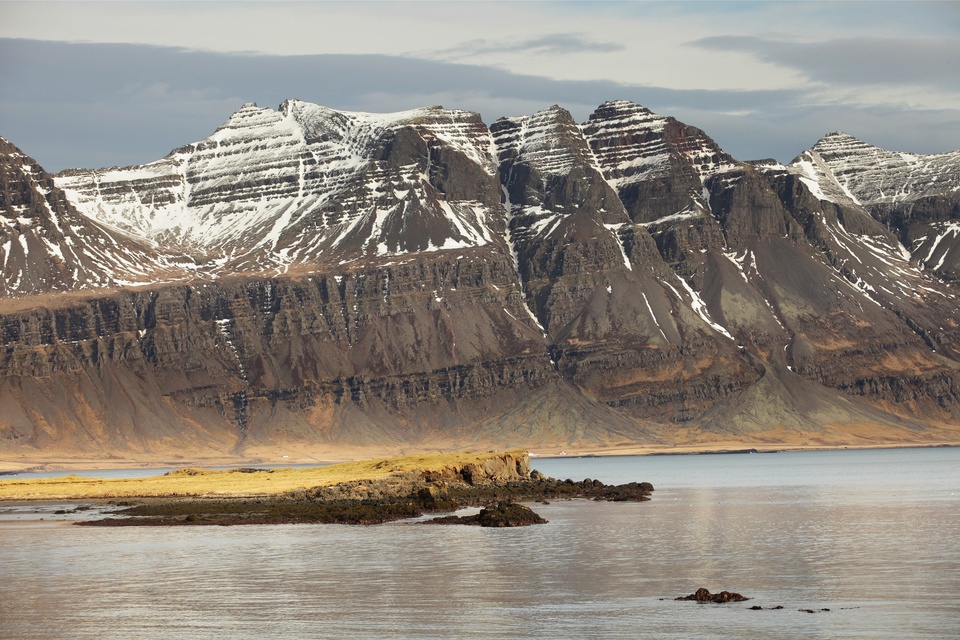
365, 492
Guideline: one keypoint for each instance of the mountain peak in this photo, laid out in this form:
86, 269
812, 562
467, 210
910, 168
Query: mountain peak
840, 140
624, 105
838, 134
247, 109
872, 176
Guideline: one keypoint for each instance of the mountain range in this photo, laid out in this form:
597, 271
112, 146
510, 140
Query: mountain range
312, 280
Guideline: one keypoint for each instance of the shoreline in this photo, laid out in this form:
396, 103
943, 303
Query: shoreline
688, 450
10, 469
370, 492
244, 482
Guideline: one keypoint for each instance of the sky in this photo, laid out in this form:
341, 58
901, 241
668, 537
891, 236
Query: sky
97, 84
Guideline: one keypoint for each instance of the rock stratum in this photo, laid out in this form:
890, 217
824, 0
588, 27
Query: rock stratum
310, 280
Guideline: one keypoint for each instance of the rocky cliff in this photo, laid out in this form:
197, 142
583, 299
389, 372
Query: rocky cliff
319, 279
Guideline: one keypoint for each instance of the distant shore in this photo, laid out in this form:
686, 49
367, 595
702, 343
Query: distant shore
56, 463
732, 449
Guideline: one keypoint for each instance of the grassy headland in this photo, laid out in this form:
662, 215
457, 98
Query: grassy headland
367, 492
240, 482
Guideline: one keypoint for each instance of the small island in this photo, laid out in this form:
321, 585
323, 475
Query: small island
365, 492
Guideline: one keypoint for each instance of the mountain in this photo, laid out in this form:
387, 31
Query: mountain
271, 190
314, 280
917, 197
47, 246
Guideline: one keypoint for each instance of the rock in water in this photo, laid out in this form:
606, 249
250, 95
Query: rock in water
703, 595
505, 514
508, 514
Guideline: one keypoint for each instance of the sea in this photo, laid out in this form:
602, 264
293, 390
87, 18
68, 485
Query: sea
826, 544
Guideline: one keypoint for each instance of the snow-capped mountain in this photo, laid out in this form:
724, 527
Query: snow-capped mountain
641, 152
872, 176
47, 246
417, 278
916, 196
305, 184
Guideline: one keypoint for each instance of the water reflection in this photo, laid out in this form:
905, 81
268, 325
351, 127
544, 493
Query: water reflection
880, 556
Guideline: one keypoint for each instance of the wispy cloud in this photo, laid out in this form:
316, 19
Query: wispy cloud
550, 44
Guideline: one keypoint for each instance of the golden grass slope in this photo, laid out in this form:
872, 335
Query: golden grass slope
233, 482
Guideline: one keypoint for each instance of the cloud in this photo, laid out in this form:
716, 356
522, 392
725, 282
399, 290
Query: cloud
93, 105
856, 61
551, 44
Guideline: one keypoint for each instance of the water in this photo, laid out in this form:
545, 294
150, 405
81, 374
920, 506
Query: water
871, 535
138, 472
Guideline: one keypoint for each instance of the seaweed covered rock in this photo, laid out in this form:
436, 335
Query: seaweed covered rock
504, 514
508, 514
703, 595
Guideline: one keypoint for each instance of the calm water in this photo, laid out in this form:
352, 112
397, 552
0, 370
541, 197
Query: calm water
142, 472
872, 535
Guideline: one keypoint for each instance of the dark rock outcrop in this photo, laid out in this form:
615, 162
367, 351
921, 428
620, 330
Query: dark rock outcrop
703, 595
504, 514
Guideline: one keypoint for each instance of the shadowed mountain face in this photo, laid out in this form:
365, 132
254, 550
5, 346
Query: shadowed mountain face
320, 279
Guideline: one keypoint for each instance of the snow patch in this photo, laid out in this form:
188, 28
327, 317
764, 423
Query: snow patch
698, 306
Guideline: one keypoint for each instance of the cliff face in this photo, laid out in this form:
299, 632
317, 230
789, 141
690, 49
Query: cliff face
413, 353
327, 279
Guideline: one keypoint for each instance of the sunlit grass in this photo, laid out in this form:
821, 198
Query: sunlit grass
231, 482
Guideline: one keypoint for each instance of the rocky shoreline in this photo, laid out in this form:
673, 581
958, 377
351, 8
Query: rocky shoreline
399, 497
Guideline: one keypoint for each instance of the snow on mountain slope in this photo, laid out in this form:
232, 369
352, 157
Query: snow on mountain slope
541, 158
871, 175
46, 245
629, 142
638, 151
549, 141
818, 177
573, 238
867, 266
273, 188
917, 196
